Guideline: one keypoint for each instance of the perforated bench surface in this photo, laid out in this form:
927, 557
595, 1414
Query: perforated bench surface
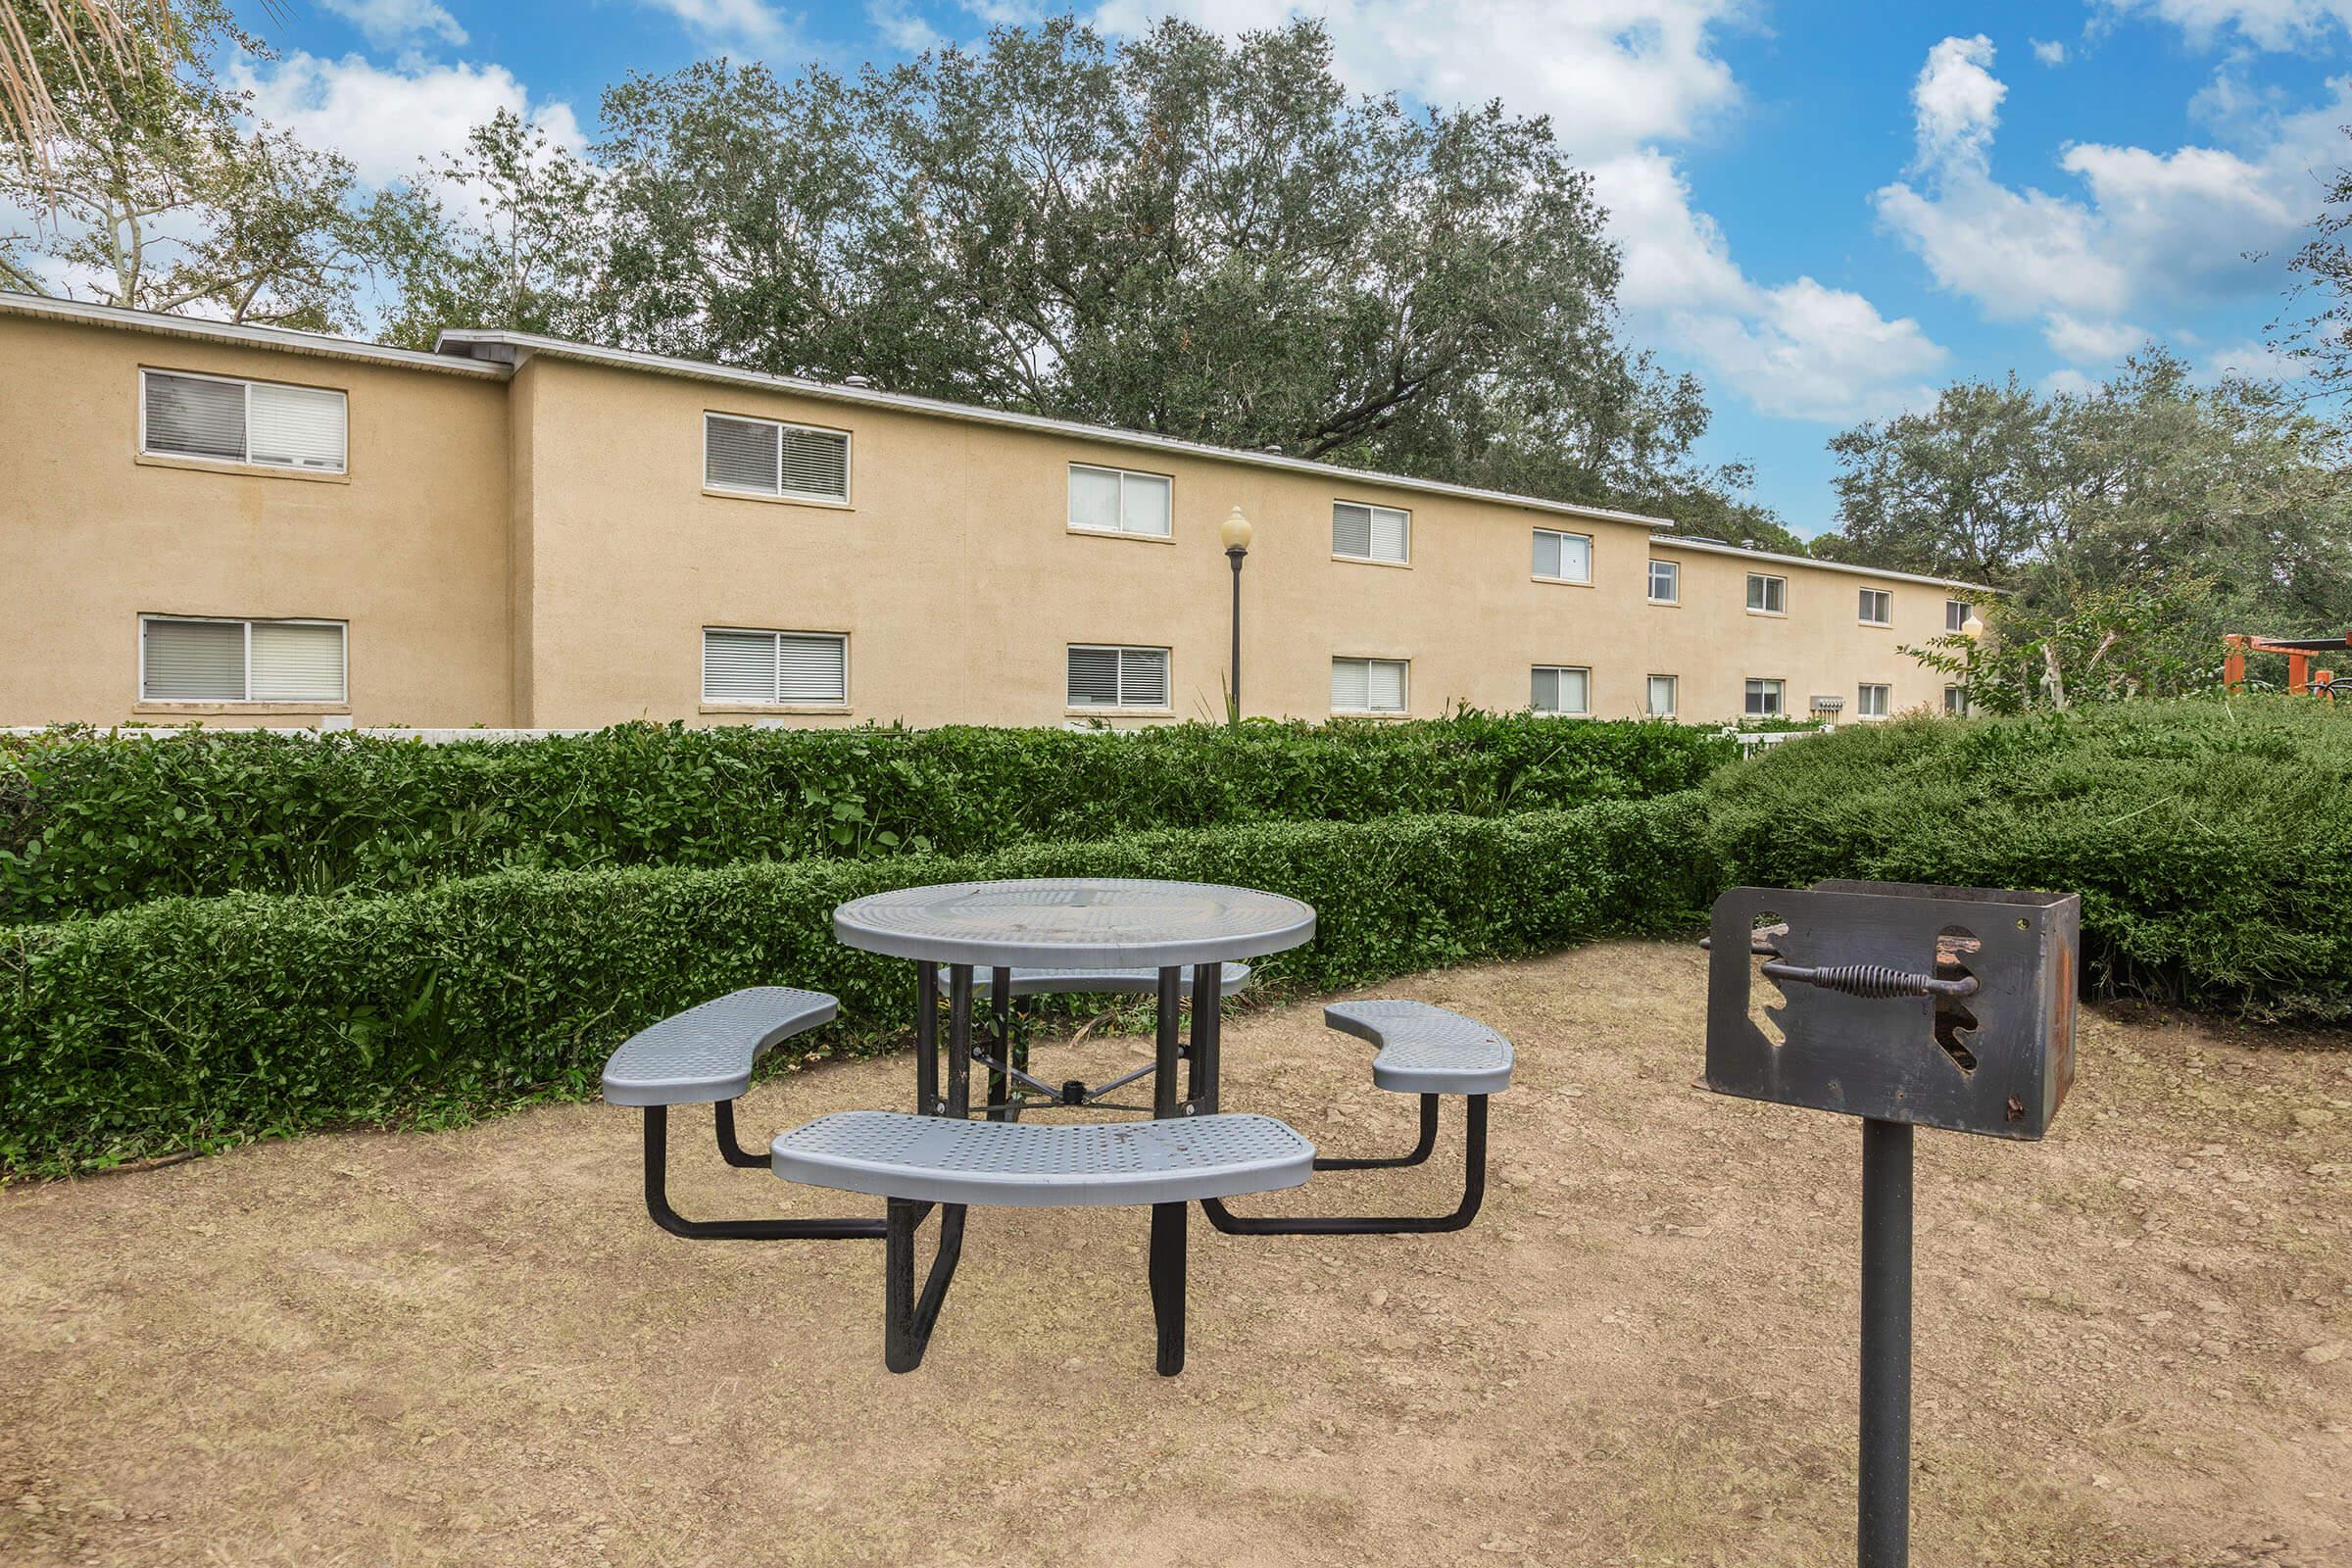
1076, 982
894, 1153
706, 1052
1424, 1049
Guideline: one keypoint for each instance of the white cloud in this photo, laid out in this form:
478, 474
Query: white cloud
1623, 80
384, 121
2049, 51
900, 27
2144, 228
2090, 342
387, 23
1611, 74
1957, 102
2255, 360
750, 25
2274, 25
2070, 382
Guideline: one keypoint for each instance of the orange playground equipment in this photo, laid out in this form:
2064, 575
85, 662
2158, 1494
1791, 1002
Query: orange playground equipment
2300, 677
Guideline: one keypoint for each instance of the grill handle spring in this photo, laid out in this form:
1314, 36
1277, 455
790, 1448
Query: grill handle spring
1875, 981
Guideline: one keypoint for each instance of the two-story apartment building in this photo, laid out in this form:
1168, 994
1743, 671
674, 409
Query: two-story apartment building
249, 526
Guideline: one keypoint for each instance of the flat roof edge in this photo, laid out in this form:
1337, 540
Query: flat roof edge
284, 339
1718, 547
470, 342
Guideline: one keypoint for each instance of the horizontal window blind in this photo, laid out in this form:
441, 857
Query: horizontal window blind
1369, 533
1567, 557
297, 662
768, 666
300, 426
1117, 677
1094, 678
817, 462
1559, 689
1095, 499
190, 416
1367, 685
811, 669
739, 454
192, 660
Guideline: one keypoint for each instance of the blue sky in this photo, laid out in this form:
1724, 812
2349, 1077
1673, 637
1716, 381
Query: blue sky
1827, 210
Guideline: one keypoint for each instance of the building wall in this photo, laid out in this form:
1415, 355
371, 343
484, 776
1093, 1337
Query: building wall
408, 547
540, 551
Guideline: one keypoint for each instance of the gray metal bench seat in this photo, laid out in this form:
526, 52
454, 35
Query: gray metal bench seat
1426, 1051
706, 1055
915, 1161
1088, 982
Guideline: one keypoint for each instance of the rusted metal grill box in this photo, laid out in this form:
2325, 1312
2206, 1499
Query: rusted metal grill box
1996, 1060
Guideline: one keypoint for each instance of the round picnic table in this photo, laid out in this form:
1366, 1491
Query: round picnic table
1108, 929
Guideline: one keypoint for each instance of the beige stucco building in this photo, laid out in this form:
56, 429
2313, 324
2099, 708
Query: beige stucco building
244, 525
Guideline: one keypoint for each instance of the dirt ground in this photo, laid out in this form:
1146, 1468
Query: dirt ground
474, 1347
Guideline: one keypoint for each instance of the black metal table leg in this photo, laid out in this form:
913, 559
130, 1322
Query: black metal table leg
1884, 1533
1208, 1023
906, 1323
1000, 1014
960, 1040
926, 1040
1167, 1087
1167, 1284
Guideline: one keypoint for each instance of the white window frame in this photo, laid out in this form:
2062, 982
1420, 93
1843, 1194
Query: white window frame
848, 464
1404, 559
1557, 670
1952, 622
1563, 535
1886, 693
1122, 532
1777, 692
1951, 699
248, 460
139, 654
1885, 599
1404, 684
1167, 667
1775, 587
1674, 694
703, 674
1674, 570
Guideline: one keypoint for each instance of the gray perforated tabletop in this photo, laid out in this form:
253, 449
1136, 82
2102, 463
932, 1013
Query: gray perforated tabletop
1075, 922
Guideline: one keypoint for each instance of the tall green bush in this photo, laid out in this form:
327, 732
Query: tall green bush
191, 1023
90, 822
2211, 839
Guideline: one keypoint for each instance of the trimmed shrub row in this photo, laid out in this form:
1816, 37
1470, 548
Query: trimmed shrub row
91, 822
195, 1023
2211, 840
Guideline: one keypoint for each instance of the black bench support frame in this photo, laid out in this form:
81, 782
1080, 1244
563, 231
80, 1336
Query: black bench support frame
1474, 1188
657, 1195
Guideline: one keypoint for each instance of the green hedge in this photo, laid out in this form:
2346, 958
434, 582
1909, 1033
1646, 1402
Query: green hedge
2211, 839
91, 822
193, 1023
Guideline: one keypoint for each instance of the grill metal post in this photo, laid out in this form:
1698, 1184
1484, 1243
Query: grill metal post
1884, 1535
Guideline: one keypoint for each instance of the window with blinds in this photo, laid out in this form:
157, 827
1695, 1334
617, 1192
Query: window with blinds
1367, 685
775, 667
768, 458
1118, 501
183, 660
1563, 557
1561, 689
187, 415
1763, 699
1661, 696
1370, 533
1877, 607
1106, 676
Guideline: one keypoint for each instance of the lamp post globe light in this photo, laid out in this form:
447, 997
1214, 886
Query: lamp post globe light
1236, 531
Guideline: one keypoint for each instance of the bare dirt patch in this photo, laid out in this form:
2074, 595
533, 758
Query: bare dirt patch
472, 1346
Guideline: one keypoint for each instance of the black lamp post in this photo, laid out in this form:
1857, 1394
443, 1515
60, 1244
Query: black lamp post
1236, 534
